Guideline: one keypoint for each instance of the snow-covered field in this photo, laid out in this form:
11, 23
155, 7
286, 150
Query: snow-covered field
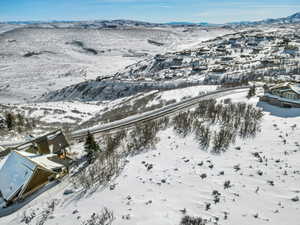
176, 177
38, 60
261, 191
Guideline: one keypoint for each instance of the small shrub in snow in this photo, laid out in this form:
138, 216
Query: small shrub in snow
227, 184
236, 167
46, 213
225, 215
203, 175
188, 220
216, 196
295, 199
106, 217
221, 173
215, 192
260, 172
207, 206
27, 218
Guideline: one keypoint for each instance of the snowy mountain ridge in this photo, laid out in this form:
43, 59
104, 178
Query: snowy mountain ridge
294, 18
243, 56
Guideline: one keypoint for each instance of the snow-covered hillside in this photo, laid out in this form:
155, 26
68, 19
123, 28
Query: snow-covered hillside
250, 54
251, 183
232, 160
38, 59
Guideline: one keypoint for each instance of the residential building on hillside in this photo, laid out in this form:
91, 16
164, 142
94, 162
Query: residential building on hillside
283, 95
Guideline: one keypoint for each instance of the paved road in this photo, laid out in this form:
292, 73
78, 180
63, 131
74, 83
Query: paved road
155, 114
151, 115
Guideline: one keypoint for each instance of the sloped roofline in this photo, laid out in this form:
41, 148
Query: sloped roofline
34, 162
293, 86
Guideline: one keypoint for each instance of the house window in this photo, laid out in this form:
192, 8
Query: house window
291, 96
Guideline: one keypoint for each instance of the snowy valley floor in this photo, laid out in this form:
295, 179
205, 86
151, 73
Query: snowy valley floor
260, 192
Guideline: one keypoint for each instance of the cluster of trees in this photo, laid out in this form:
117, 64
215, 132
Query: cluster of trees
17, 122
218, 123
215, 126
109, 142
106, 162
104, 166
182, 124
142, 137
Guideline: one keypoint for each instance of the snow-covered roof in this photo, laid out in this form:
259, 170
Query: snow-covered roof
283, 99
295, 88
280, 85
15, 172
42, 160
17, 169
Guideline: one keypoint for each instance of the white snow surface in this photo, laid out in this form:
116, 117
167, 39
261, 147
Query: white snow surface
38, 60
149, 201
194, 91
61, 112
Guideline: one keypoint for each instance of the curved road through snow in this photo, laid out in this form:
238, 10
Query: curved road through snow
155, 114
151, 115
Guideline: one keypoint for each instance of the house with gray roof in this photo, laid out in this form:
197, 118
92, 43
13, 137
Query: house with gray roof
283, 95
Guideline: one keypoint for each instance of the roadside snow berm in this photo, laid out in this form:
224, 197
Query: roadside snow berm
32, 165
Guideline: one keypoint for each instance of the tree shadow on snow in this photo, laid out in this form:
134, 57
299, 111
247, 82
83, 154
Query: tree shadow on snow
279, 111
86, 193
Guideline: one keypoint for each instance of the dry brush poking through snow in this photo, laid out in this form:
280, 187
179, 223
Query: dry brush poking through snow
219, 123
106, 217
106, 166
170, 179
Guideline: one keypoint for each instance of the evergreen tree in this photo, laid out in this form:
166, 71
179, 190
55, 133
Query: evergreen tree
20, 120
91, 147
251, 92
10, 120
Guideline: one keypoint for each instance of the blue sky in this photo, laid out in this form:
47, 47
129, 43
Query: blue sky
213, 11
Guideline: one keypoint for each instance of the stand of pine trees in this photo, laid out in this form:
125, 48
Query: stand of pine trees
16, 122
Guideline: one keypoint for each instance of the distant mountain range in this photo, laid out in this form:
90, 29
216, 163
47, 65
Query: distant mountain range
295, 18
